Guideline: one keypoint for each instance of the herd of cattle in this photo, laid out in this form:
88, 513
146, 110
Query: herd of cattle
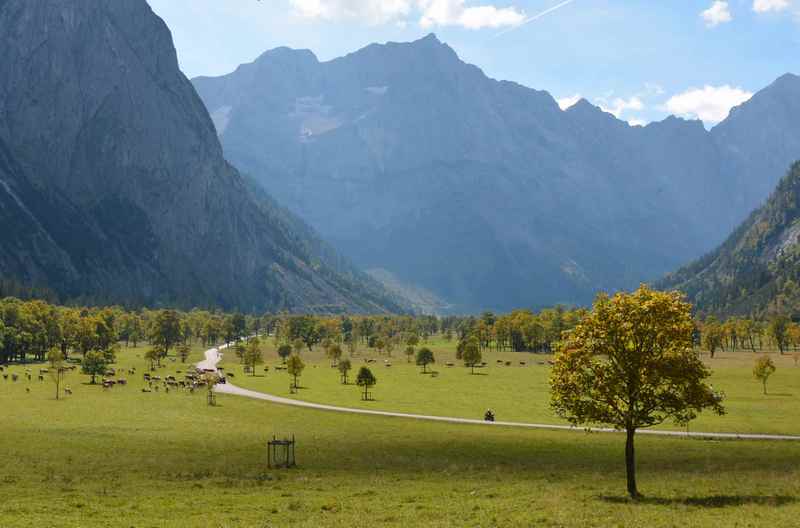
28, 375
190, 381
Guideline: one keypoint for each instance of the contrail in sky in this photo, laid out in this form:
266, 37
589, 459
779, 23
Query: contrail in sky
534, 18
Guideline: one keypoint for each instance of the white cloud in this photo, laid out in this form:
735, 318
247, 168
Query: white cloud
651, 88
370, 11
637, 122
765, 6
619, 106
477, 17
569, 101
710, 104
718, 13
431, 12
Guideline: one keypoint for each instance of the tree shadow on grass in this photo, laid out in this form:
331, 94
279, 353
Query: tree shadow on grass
712, 501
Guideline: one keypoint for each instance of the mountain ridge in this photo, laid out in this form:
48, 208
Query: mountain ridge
375, 148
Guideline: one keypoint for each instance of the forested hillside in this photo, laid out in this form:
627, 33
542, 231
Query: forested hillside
757, 270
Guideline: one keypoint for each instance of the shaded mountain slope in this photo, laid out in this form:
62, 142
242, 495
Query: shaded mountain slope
97, 113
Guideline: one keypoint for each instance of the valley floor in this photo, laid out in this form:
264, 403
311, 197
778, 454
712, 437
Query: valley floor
516, 387
126, 458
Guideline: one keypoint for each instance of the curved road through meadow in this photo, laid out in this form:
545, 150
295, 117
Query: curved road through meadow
214, 356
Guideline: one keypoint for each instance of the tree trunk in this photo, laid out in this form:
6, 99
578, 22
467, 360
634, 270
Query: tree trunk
630, 463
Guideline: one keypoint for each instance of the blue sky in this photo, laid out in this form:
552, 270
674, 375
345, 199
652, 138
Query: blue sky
642, 60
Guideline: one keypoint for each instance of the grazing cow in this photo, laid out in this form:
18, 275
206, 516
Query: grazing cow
41, 378
14, 377
67, 391
122, 381
28, 390
230, 375
146, 389
448, 364
521, 363
28, 374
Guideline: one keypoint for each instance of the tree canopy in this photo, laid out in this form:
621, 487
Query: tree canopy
630, 364
425, 358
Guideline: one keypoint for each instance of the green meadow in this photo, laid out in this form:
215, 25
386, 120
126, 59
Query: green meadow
121, 457
516, 392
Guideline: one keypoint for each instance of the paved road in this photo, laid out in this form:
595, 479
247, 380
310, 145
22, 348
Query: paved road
213, 357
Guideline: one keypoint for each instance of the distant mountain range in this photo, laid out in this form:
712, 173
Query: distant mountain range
485, 193
756, 272
113, 185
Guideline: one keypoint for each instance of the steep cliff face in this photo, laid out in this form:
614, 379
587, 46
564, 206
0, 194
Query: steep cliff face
486, 192
27, 250
96, 112
756, 271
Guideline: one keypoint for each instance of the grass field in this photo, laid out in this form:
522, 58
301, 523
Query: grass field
124, 458
521, 393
